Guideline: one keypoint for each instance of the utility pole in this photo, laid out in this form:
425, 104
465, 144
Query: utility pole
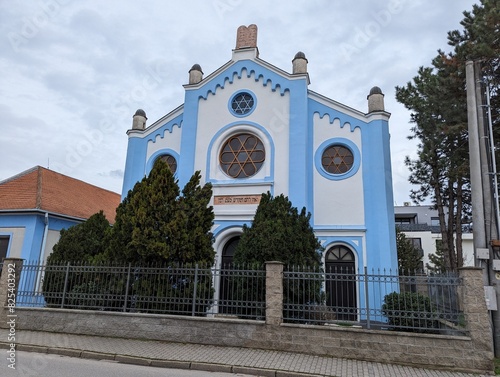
476, 182
485, 223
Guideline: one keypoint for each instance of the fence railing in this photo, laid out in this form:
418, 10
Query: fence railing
183, 290
340, 297
379, 300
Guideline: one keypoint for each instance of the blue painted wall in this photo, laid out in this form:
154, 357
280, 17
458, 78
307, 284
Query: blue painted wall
34, 227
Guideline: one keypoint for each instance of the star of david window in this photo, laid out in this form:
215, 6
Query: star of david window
242, 155
171, 162
337, 159
242, 104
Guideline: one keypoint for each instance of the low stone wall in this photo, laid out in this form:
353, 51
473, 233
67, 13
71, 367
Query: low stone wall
472, 353
421, 350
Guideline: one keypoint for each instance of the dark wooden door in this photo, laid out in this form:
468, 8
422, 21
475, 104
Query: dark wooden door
226, 286
341, 282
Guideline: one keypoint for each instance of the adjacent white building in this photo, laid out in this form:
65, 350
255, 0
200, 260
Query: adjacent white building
420, 224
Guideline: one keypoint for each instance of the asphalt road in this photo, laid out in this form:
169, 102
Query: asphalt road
30, 364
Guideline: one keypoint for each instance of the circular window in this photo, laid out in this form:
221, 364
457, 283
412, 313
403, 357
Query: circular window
242, 155
242, 103
337, 159
171, 162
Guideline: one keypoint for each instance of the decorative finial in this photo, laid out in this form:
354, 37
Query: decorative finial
195, 74
375, 100
299, 63
139, 120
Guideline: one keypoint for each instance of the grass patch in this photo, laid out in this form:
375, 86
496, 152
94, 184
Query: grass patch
497, 365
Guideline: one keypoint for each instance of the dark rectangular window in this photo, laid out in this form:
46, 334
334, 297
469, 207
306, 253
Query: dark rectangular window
4, 246
417, 244
404, 221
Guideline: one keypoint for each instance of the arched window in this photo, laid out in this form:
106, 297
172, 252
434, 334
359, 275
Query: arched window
170, 161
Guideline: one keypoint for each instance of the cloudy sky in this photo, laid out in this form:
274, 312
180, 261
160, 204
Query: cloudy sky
72, 73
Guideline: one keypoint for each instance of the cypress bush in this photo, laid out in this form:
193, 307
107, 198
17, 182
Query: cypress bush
409, 311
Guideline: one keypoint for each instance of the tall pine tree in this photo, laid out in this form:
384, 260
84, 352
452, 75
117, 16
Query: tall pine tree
82, 243
409, 257
279, 233
154, 224
437, 100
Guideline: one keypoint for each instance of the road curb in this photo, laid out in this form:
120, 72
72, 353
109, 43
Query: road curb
31, 348
133, 360
209, 367
97, 355
254, 371
172, 364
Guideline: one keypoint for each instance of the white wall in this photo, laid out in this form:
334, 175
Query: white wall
429, 239
16, 240
337, 202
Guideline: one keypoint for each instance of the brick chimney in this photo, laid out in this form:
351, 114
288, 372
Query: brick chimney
246, 37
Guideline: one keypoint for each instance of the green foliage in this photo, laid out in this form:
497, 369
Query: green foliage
82, 242
84, 285
87, 295
409, 257
436, 265
409, 311
437, 101
154, 224
497, 366
170, 291
280, 233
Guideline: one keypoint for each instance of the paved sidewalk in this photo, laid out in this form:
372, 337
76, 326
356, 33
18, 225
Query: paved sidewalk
210, 358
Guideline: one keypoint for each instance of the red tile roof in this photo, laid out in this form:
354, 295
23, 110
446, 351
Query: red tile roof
44, 189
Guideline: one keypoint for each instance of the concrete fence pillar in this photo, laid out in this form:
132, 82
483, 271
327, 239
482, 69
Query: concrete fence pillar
476, 315
274, 293
9, 283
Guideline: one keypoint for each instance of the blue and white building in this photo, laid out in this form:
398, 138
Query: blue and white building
251, 127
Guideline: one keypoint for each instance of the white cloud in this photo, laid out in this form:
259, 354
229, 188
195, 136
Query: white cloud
74, 72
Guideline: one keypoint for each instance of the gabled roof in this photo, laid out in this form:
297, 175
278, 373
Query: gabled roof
43, 189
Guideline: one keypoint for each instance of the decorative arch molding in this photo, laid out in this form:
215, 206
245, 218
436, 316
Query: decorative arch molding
350, 245
339, 117
246, 68
354, 243
333, 119
167, 127
224, 232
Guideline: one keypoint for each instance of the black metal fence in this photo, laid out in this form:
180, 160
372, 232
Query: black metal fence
416, 302
183, 290
341, 297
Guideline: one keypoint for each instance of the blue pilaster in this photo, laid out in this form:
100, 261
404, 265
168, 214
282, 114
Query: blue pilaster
300, 153
135, 165
378, 196
187, 155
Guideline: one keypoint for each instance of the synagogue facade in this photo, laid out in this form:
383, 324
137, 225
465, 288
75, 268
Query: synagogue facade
251, 127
